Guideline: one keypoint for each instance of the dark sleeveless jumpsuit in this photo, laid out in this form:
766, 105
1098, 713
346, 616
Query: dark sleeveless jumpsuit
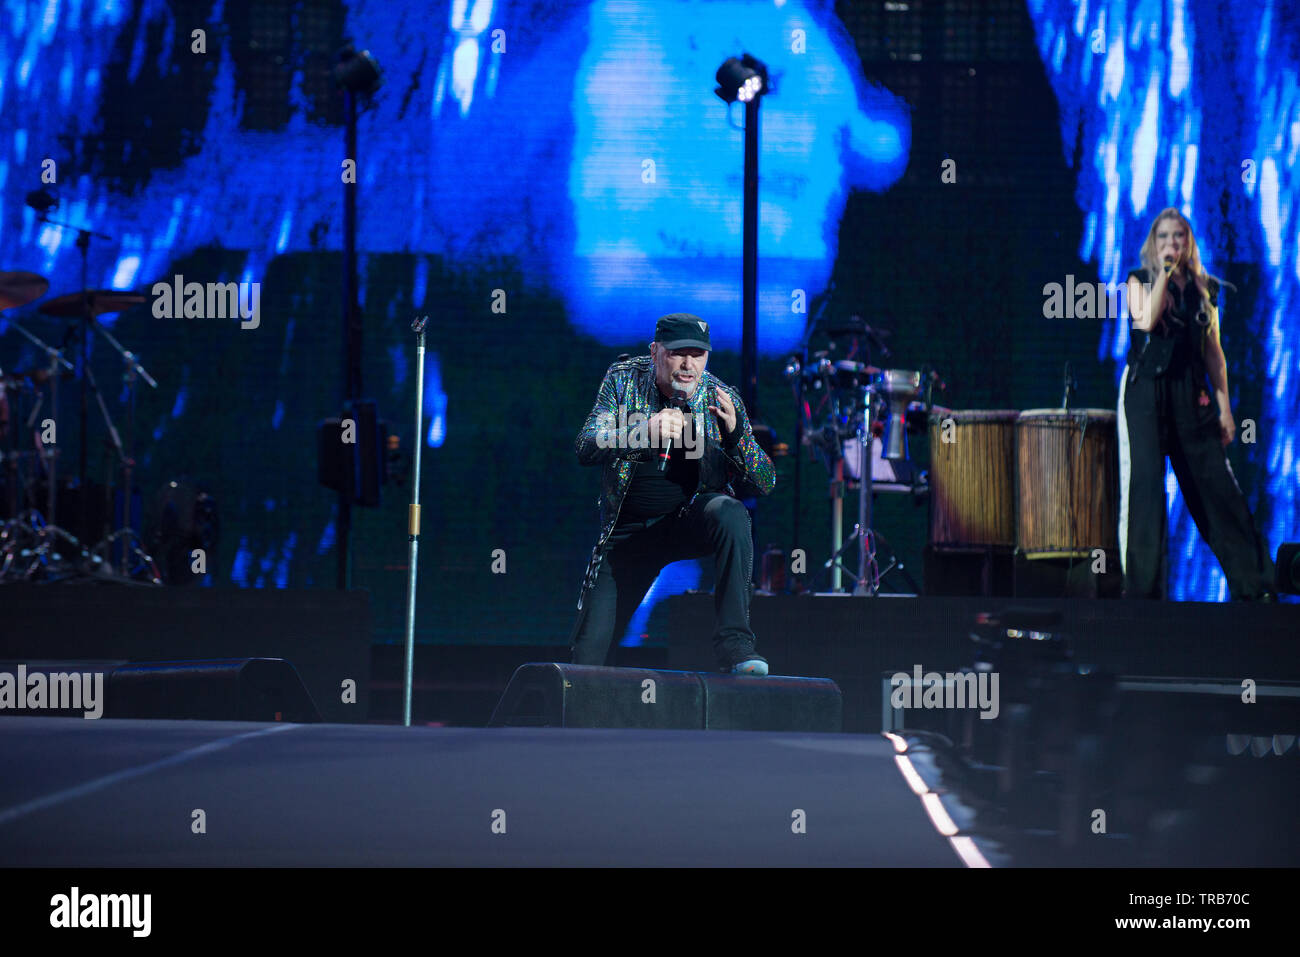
1167, 408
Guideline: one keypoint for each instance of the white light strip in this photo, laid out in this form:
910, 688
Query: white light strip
964, 847
909, 774
938, 815
968, 852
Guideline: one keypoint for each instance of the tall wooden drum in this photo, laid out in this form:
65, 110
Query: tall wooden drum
972, 479
1068, 498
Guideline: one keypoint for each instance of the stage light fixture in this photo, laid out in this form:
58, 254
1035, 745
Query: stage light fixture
741, 79
358, 72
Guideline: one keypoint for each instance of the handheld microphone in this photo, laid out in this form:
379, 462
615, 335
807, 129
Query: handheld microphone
678, 401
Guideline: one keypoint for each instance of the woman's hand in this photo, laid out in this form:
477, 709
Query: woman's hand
1227, 427
1140, 301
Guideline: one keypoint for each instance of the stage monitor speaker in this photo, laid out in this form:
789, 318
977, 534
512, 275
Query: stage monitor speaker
229, 689
774, 703
233, 689
555, 695
558, 695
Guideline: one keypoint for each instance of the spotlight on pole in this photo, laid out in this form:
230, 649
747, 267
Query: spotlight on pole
357, 72
745, 80
741, 79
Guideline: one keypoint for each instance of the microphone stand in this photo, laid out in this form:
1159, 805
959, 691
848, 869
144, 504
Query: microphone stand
413, 520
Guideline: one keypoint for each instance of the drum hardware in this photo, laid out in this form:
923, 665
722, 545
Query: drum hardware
869, 576
82, 306
40, 560
33, 551
87, 306
855, 327
842, 430
850, 448
38, 377
139, 563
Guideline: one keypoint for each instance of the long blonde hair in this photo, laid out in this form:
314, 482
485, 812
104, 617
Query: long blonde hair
1154, 266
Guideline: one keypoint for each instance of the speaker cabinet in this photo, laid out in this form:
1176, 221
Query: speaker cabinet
557, 695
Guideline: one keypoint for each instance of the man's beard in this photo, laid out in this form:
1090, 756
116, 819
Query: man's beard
686, 389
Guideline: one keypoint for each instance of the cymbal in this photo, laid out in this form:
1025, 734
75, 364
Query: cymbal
100, 301
20, 288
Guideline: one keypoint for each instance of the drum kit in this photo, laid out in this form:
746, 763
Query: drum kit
32, 547
857, 418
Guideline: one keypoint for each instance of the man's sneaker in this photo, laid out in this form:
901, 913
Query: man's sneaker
754, 665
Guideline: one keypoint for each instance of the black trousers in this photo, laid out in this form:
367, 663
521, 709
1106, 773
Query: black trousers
714, 525
1170, 415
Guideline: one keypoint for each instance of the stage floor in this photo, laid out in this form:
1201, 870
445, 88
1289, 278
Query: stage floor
107, 793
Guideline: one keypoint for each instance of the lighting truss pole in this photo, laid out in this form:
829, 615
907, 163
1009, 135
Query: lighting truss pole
358, 75
749, 271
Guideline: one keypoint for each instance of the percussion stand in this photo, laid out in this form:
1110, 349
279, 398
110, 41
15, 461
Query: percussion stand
868, 581
869, 577
839, 546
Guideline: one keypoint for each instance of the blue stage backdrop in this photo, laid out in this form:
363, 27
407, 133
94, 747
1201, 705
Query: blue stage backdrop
543, 179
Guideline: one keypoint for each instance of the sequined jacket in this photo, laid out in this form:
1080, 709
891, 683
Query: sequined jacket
628, 388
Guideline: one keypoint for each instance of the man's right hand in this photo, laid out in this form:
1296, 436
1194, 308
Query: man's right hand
665, 425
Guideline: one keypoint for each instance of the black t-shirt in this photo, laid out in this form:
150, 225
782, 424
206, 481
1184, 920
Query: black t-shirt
653, 493
1178, 342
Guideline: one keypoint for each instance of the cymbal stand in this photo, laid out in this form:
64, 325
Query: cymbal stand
133, 369
83, 247
102, 552
48, 455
